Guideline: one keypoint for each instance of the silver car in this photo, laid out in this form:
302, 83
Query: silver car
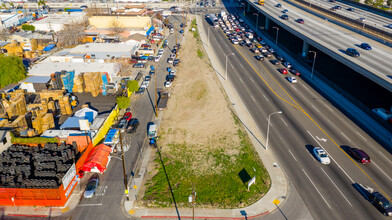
92, 185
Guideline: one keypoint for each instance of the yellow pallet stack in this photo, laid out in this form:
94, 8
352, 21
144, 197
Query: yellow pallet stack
78, 84
17, 107
93, 82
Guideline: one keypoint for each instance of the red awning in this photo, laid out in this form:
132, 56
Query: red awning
98, 158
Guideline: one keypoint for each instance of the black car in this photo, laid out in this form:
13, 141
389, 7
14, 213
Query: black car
279, 57
359, 155
352, 52
241, 43
132, 125
174, 51
275, 62
381, 203
285, 17
123, 123
170, 77
350, 9
278, 5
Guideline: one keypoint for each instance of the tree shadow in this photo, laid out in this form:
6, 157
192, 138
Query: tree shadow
168, 181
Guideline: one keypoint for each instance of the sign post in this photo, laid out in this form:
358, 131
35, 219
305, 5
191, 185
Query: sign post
252, 181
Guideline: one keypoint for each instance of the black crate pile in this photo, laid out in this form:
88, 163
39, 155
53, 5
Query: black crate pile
23, 166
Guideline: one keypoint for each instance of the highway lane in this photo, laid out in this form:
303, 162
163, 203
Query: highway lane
293, 127
337, 39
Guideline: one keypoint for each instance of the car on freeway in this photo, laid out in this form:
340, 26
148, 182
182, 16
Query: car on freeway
255, 50
167, 83
295, 72
352, 52
285, 17
321, 155
278, 5
279, 57
132, 125
267, 54
381, 203
275, 62
242, 43
123, 123
285, 11
292, 79
283, 71
350, 9
138, 65
362, 19
300, 20
287, 64
389, 25
338, 7
366, 46
234, 41
260, 57
359, 155
92, 185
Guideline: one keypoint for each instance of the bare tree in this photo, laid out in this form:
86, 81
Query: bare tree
72, 34
116, 28
4, 34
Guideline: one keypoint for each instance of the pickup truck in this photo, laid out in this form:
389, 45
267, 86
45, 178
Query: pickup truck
152, 130
163, 98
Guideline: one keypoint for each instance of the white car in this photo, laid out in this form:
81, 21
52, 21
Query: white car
168, 83
145, 84
172, 72
287, 64
157, 59
292, 79
173, 55
234, 41
321, 155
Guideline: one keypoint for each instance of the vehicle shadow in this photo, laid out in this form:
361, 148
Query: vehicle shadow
361, 190
345, 148
357, 45
168, 181
310, 148
342, 51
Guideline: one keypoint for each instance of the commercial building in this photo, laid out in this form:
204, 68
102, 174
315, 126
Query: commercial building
56, 22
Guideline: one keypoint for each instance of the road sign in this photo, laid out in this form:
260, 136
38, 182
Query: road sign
276, 202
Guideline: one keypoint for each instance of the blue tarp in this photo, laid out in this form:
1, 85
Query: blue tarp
71, 122
49, 47
149, 30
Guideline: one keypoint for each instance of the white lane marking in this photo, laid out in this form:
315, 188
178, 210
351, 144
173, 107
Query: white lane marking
328, 107
97, 204
241, 81
345, 136
293, 155
241, 66
331, 157
315, 108
284, 122
336, 186
316, 188
266, 98
305, 87
382, 171
361, 136
294, 88
385, 157
253, 98
252, 80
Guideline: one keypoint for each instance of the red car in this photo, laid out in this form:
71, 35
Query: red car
301, 21
295, 72
146, 45
283, 71
127, 116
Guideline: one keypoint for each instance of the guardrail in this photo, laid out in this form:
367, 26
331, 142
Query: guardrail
367, 7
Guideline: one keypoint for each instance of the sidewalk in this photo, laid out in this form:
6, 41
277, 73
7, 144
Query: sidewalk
279, 186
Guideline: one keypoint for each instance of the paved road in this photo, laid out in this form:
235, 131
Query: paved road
374, 63
107, 203
307, 120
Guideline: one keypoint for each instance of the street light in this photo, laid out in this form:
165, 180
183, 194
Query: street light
364, 21
314, 60
277, 32
208, 35
226, 63
269, 117
257, 21
123, 163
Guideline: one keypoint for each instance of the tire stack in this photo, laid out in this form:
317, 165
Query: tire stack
36, 167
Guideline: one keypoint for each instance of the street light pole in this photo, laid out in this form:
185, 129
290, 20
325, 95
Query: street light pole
257, 21
226, 63
314, 61
269, 118
364, 22
277, 32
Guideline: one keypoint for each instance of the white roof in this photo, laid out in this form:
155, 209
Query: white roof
60, 18
82, 112
107, 50
47, 68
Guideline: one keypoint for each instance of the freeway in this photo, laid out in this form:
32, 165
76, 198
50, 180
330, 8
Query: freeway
372, 19
334, 40
308, 121
108, 202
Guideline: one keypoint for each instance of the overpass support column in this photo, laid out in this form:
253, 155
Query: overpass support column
305, 49
267, 23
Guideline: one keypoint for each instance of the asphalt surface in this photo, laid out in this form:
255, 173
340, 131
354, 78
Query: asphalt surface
308, 121
107, 203
336, 40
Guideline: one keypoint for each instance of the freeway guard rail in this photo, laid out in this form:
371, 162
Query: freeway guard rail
387, 37
368, 7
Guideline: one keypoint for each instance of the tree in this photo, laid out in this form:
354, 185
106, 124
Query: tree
116, 28
72, 34
133, 85
4, 34
368, 2
12, 70
27, 27
123, 102
389, 2
378, 3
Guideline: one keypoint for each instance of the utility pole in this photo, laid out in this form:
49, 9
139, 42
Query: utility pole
193, 201
175, 31
156, 92
123, 163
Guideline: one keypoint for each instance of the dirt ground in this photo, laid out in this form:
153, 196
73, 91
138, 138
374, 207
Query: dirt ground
197, 115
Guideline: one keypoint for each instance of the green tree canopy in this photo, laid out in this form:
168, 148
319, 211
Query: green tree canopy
12, 70
123, 102
133, 85
28, 27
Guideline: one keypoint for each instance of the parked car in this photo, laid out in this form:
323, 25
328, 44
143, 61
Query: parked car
167, 83
132, 125
170, 60
128, 115
352, 52
140, 91
138, 65
145, 84
292, 79
123, 123
157, 59
359, 155
321, 155
295, 72
283, 71
381, 203
152, 72
92, 185
366, 46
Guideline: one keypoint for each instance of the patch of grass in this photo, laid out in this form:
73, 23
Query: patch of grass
221, 190
200, 53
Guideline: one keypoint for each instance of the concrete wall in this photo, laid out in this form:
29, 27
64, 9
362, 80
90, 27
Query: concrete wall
123, 21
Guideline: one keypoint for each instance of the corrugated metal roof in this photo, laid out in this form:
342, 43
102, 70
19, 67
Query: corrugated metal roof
36, 79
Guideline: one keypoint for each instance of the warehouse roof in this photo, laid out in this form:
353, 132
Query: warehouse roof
107, 50
64, 18
36, 79
47, 68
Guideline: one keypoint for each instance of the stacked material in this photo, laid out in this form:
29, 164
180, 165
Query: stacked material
20, 123
78, 84
47, 122
93, 82
17, 106
64, 101
56, 81
67, 79
37, 123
